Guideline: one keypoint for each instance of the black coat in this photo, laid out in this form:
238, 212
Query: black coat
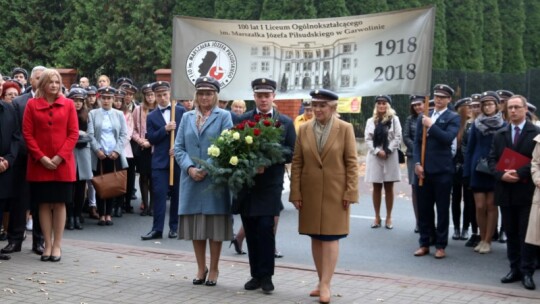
264, 198
520, 193
409, 131
9, 146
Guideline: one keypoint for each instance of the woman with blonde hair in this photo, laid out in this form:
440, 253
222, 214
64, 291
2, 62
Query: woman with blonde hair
51, 130
103, 81
383, 138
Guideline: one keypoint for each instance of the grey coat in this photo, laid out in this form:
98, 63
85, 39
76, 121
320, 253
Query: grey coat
95, 121
83, 159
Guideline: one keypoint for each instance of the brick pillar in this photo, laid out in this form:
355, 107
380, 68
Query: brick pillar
289, 107
69, 77
163, 75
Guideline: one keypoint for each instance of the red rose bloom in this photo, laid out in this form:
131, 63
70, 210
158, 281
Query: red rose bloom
267, 123
256, 132
277, 124
257, 117
240, 126
252, 124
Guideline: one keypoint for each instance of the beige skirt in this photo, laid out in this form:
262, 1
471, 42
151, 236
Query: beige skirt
533, 228
205, 227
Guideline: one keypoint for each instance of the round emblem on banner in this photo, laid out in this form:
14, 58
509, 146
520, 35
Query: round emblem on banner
214, 59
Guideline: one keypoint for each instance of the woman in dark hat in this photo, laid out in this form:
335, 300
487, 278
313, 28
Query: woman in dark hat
204, 216
144, 153
383, 138
409, 129
482, 183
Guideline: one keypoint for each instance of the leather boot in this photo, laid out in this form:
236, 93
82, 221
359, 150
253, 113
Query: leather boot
93, 213
69, 223
78, 225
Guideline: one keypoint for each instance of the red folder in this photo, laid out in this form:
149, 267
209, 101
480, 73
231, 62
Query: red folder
511, 159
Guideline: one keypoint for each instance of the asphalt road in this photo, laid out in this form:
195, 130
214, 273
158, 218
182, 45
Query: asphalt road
374, 250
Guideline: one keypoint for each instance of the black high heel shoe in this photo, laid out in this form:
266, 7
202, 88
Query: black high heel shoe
200, 281
237, 247
212, 282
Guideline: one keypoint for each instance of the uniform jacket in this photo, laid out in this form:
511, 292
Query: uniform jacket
160, 138
95, 122
409, 131
520, 193
50, 130
323, 181
10, 137
440, 135
19, 103
264, 198
533, 229
190, 146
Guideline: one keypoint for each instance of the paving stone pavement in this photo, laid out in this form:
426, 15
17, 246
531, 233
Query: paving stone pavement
93, 273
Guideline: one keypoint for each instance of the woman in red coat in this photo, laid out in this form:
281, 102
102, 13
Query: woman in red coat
51, 130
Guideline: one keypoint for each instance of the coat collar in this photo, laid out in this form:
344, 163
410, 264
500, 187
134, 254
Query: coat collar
41, 103
310, 133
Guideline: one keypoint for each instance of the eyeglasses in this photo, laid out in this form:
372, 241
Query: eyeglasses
514, 107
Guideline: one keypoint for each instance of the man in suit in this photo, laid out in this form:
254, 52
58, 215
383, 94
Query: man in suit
22, 201
259, 204
514, 190
9, 148
442, 126
159, 127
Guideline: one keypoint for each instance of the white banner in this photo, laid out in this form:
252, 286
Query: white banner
385, 53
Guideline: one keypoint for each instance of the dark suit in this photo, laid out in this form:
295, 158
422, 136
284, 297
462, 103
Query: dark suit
160, 139
23, 202
259, 204
9, 148
515, 199
438, 172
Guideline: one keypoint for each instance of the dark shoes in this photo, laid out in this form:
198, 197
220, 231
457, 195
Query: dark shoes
52, 258
464, 235
473, 240
152, 235
117, 212
77, 223
511, 277
70, 223
456, 235
237, 247
38, 248
200, 281
528, 282
173, 234
266, 285
252, 284
4, 257
11, 248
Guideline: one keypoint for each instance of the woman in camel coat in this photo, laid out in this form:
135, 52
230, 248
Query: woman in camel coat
533, 228
324, 182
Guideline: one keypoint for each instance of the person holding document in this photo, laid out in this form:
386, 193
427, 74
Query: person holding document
514, 188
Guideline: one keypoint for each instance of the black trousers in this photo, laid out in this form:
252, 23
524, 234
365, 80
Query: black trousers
521, 255
105, 206
435, 192
261, 244
460, 192
126, 203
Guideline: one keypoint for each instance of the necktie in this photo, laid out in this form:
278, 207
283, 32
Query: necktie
268, 115
516, 135
165, 109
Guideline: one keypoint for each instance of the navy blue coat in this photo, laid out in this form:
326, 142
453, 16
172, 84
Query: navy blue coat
438, 159
160, 138
264, 198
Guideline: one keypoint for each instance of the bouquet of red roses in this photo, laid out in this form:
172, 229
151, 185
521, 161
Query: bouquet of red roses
237, 153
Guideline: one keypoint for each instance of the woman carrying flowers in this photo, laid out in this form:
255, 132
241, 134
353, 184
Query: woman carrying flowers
204, 211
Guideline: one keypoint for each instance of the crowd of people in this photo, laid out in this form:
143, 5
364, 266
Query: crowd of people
54, 141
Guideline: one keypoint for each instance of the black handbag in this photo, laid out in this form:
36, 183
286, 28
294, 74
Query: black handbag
401, 156
482, 166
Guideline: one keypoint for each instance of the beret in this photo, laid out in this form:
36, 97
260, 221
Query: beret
383, 97
443, 90
19, 70
106, 91
262, 85
323, 95
207, 83
77, 93
490, 96
416, 98
123, 80
161, 86
91, 90
462, 102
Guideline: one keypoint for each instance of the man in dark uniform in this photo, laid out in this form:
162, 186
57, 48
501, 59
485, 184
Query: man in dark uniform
23, 202
9, 148
514, 190
442, 126
159, 127
259, 204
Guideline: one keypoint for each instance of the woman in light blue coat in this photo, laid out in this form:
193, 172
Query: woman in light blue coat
204, 213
